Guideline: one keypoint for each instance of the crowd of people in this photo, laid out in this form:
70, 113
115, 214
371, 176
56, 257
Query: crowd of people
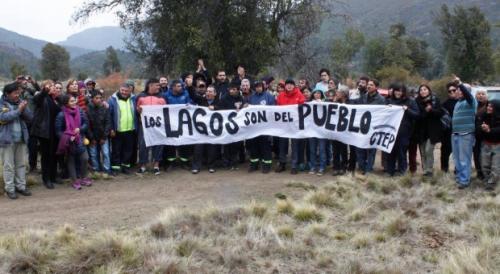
75, 128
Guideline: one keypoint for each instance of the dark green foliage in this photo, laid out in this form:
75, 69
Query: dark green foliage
344, 50
399, 50
467, 42
91, 64
111, 64
17, 69
55, 62
172, 35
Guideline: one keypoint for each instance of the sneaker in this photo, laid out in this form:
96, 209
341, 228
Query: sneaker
234, 168
141, 171
24, 192
195, 171
293, 171
156, 171
211, 170
320, 172
11, 195
312, 172
86, 182
77, 185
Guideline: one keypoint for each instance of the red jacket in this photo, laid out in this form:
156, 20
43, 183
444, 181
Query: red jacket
144, 99
294, 97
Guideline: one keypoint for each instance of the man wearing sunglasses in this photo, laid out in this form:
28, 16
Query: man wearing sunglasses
449, 105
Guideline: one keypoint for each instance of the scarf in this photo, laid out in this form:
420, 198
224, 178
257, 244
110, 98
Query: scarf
72, 118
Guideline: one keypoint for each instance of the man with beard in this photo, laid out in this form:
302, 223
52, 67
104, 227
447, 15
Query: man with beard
163, 84
221, 84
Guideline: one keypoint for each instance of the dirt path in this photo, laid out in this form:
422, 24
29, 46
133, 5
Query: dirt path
130, 201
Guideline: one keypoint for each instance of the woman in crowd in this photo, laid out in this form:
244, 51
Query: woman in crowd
428, 126
489, 130
482, 102
340, 155
317, 146
46, 109
399, 97
71, 126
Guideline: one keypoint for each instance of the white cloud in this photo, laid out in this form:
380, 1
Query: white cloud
47, 19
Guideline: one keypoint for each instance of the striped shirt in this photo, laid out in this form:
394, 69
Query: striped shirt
464, 114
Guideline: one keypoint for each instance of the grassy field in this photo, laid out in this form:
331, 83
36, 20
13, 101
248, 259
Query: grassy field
345, 225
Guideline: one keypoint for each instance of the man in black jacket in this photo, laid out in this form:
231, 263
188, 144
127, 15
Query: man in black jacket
202, 151
449, 105
221, 84
233, 100
99, 129
366, 157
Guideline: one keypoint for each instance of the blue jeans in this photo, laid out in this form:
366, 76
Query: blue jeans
156, 151
317, 147
94, 157
462, 156
365, 158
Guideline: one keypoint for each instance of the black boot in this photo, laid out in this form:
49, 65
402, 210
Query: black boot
48, 184
254, 166
281, 167
266, 168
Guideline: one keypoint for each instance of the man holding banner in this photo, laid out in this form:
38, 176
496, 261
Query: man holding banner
260, 147
234, 101
290, 96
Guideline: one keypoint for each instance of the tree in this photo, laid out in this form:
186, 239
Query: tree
111, 64
467, 43
398, 51
172, 35
344, 50
17, 69
374, 55
55, 62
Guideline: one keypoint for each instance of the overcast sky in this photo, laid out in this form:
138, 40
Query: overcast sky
48, 20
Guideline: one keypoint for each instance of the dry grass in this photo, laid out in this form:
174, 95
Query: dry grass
374, 225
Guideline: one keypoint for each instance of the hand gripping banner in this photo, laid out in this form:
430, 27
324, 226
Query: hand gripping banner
364, 126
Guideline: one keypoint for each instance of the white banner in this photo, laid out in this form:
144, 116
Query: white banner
364, 126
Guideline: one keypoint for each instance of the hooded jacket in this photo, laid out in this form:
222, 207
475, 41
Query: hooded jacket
263, 98
428, 126
8, 114
492, 120
99, 122
114, 110
371, 99
294, 97
411, 114
177, 99
61, 127
229, 102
